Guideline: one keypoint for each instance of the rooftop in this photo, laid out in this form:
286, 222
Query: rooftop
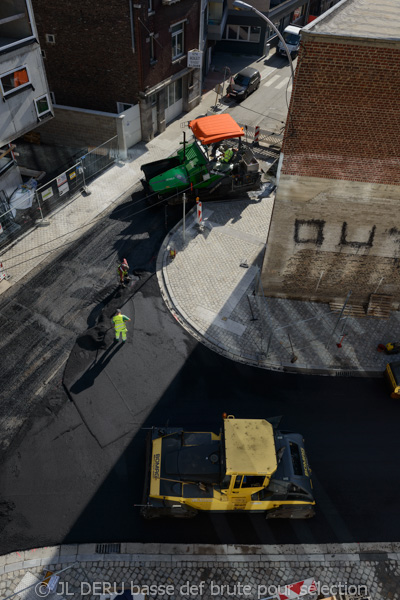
360, 18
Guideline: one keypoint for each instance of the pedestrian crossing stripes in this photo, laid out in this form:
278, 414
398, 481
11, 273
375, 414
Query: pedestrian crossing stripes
282, 83
268, 83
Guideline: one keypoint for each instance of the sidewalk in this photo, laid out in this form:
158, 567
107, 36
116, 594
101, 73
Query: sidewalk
210, 285
196, 571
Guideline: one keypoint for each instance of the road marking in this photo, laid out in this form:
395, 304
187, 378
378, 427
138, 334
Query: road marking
274, 78
282, 83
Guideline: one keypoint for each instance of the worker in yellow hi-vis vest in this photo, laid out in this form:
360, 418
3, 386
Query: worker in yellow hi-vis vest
119, 325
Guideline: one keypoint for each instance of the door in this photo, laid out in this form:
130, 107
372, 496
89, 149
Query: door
131, 126
174, 100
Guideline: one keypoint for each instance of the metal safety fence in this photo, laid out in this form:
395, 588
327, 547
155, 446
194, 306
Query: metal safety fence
255, 135
99, 158
29, 204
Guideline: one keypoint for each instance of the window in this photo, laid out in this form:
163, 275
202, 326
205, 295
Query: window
50, 38
43, 53
14, 80
238, 481
152, 49
16, 20
153, 99
174, 92
150, 6
123, 106
242, 33
42, 106
177, 40
52, 98
253, 481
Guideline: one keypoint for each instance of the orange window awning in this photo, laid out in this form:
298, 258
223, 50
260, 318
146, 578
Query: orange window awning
215, 128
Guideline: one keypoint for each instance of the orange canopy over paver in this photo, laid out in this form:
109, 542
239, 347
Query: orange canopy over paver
215, 128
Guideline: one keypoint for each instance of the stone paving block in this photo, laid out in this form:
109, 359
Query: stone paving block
278, 558
159, 558
313, 548
52, 552
114, 557
267, 549
395, 546
311, 557
342, 557
14, 557
15, 566
243, 549
34, 562
176, 549
239, 558
86, 549
209, 550
66, 560
347, 548
91, 557
376, 547
373, 556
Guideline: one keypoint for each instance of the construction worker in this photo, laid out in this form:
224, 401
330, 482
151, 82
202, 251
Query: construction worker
119, 325
123, 269
228, 153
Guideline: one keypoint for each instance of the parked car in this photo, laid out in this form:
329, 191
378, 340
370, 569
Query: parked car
244, 83
291, 35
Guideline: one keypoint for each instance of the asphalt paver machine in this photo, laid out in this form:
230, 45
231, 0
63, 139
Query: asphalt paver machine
216, 163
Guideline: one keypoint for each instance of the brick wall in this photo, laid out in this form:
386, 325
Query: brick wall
92, 64
159, 23
344, 119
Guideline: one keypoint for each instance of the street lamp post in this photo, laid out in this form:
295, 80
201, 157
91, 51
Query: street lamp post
239, 4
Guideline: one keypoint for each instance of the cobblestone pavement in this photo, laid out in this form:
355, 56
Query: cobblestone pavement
213, 287
191, 571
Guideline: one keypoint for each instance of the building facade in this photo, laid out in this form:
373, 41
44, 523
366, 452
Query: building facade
24, 92
121, 58
245, 32
334, 225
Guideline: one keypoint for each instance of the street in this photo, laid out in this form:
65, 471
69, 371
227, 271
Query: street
77, 470
72, 438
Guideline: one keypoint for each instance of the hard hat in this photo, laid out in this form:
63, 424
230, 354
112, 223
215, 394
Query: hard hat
124, 262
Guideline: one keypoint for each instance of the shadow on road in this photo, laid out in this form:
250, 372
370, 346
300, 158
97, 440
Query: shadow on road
88, 378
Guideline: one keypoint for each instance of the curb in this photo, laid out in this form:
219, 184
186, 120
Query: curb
198, 553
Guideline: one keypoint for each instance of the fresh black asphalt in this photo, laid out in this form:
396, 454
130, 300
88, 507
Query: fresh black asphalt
75, 467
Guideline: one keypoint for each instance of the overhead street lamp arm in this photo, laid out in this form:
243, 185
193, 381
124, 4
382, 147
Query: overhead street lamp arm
239, 4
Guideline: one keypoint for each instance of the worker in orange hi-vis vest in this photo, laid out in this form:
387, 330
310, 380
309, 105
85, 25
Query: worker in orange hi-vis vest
123, 269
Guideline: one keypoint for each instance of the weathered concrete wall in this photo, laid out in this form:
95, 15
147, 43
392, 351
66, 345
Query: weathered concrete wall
329, 236
78, 128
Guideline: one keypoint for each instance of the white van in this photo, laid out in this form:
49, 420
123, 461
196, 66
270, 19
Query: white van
291, 35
